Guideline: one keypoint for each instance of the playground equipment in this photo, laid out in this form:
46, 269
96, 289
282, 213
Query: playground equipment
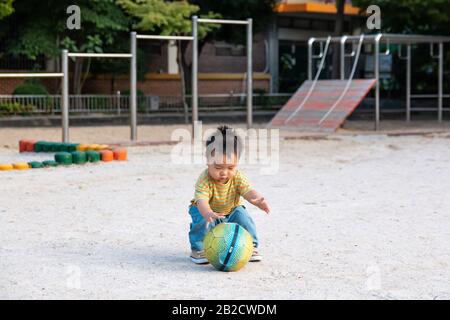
64, 74
249, 24
324, 104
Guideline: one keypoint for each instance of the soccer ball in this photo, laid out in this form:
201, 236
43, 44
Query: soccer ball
228, 246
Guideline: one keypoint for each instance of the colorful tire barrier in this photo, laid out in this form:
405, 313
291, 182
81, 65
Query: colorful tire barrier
78, 157
29, 145
50, 163
38, 146
82, 147
64, 158
92, 147
26, 145
5, 167
120, 154
107, 155
92, 156
65, 154
21, 166
102, 147
22, 145
35, 164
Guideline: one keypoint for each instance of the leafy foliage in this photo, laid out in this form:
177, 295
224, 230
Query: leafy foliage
411, 16
31, 87
166, 18
6, 8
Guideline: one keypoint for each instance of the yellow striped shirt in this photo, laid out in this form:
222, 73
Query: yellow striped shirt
223, 198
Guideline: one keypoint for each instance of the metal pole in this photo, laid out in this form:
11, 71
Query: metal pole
65, 96
310, 53
440, 79
249, 73
377, 83
408, 83
133, 84
343, 39
194, 72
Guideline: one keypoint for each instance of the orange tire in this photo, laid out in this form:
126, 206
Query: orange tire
29, 145
21, 166
107, 155
4, 167
23, 145
120, 154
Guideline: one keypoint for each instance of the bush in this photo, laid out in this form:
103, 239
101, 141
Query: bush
139, 97
30, 87
9, 108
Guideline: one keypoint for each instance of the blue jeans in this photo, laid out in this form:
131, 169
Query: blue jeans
198, 229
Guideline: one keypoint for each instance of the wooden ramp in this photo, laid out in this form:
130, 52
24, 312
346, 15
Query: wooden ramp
326, 106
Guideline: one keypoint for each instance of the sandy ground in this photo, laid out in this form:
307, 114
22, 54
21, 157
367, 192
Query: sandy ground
353, 216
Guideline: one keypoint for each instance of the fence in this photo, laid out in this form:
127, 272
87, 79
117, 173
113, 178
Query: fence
118, 104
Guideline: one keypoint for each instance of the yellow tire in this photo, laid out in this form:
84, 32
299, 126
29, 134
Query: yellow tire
82, 147
92, 147
102, 147
5, 167
21, 166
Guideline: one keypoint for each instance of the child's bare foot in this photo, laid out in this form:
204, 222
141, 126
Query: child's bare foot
255, 256
198, 257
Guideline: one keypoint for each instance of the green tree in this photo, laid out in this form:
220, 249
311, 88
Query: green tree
38, 28
6, 8
411, 16
168, 18
431, 17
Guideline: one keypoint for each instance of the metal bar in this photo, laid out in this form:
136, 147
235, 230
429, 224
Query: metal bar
158, 37
408, 83
31, 75
249, 73
432, 52
100, 55
428, 96
343, 39
194, 72
377, 83
394, 38
222, 21
310, 54
440, 80
133, 84
65, 96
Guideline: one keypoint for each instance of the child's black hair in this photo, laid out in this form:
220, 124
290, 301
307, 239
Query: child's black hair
228, 137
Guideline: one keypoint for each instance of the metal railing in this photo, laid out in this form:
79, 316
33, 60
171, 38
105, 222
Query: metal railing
120, 104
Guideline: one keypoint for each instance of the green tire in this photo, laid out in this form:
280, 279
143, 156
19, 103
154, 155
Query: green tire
60, 147
50, 163
78, 157
54, 146
46, 146
64, 147
38, 146
93, 156
36, 164
64, 158
71, 147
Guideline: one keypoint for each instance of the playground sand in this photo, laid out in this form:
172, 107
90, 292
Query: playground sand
357, 217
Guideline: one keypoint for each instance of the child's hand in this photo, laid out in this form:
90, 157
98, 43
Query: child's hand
210, 216
261, 203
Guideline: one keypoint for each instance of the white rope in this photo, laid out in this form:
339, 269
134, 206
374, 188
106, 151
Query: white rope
347, 86
313, 83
